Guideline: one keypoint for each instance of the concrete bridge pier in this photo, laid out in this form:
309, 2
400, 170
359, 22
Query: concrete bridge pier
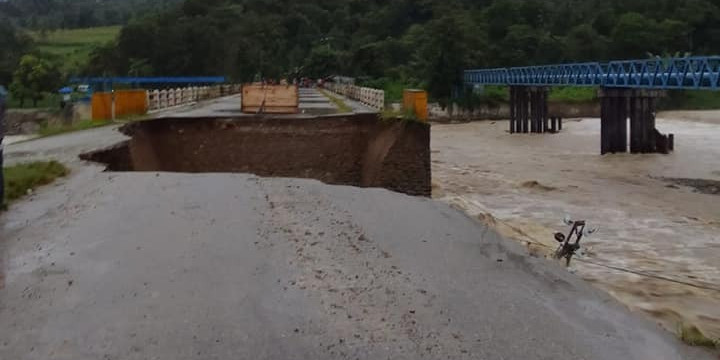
640, 106
528, 109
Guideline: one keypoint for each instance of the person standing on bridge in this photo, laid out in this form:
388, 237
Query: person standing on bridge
3, 98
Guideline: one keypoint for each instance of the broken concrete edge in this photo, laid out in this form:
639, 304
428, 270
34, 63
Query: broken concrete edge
361, 150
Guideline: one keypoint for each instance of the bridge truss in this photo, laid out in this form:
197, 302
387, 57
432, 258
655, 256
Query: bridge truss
690, 73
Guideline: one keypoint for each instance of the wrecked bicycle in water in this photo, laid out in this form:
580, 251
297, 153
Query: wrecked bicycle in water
570, 243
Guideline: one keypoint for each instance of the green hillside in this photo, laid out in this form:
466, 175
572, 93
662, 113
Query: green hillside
73, 46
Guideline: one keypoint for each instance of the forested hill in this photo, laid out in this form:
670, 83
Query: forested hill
72, 14
419, 41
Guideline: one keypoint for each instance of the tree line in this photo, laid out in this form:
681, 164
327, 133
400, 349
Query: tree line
31, 73
390, 43
417, 42
72, 14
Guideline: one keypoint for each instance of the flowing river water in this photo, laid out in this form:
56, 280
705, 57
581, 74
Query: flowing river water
657, 249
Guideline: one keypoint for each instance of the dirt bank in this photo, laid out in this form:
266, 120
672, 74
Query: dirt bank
358, 150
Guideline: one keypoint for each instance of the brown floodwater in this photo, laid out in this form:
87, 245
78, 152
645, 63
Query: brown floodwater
658, 245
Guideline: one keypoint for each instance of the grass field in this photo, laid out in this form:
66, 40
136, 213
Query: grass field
73, 46
23, 177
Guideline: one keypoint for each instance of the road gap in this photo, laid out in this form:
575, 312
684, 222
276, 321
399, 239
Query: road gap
358, 150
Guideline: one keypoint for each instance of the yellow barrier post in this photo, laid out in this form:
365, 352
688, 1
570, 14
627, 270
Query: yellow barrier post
130, 102
101, 106
416, 101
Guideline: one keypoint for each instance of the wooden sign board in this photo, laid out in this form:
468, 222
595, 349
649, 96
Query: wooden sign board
272, 99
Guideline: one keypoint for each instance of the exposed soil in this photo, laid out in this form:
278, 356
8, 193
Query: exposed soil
357, 150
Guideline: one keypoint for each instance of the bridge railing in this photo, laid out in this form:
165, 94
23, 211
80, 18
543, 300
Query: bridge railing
373, 98
674, 73
162, 99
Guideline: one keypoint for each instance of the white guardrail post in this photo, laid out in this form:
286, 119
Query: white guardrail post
165, 98
373, 98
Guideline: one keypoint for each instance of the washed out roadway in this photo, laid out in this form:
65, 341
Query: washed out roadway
233, 266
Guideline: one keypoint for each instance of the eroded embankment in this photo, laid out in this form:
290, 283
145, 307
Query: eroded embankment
357, 150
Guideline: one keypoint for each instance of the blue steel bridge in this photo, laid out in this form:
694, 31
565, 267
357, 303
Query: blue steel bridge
628, 89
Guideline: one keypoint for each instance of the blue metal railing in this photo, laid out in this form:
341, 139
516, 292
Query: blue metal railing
700, 73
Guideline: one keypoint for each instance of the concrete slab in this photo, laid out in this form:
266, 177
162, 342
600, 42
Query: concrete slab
312, 102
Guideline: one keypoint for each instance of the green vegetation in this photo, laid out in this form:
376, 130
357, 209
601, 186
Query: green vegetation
573, 94
496, 95
14, 44
73, 46
690, 100
75, 37
339, 103
33, 78
74, 14
50, 58
64, 32
691, 335
392, 44
49, 101
402, 114
23, 177
47, 130
393, 88
403, 43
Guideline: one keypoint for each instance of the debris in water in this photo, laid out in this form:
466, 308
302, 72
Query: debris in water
535, 185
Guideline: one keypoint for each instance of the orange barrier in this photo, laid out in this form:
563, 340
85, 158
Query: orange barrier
416, 101
101, 106
127, 102
130, 102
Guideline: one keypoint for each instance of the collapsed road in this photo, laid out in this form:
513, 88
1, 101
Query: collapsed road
158, 265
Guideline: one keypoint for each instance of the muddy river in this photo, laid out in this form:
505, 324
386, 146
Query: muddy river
658, 245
